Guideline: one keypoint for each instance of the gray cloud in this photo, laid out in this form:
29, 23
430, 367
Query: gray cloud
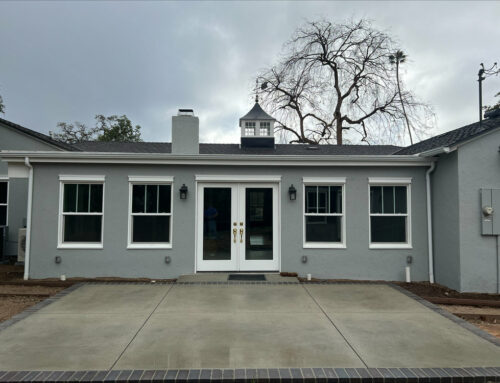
69, 61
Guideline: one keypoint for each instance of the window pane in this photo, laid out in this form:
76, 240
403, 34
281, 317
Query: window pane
3, 216
388, 229
69, 204
388, 197
400, 199
164, 199
311, 204
324, 229
83, 198
151, 198
96, 198
138, 198
82, 228
336, 199
3, 192
151, 228
376, 199
322, 199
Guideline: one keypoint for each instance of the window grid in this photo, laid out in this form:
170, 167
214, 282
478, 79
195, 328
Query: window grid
326, 214
144, 213
265, 129
405, 215
249, 128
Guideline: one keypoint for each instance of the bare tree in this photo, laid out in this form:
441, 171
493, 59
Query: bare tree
73, 133
337, 77
2, 106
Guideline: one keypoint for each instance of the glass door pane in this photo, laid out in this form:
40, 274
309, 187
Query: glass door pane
259, 223
217, 223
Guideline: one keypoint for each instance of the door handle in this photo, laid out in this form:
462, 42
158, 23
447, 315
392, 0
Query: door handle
241, 235
235, 234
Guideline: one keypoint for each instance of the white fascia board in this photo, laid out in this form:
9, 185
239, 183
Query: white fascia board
214, 159
82, 178
237, 178
165, 179
323, 180
436, 151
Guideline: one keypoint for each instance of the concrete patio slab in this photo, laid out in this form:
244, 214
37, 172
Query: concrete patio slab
111, 299
352, 298
76, 341
238, 298
414, 340
243, 340
222, 277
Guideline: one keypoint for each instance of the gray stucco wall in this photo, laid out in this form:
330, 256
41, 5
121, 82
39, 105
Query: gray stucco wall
11, 139
357, 261
445, 221
478, 167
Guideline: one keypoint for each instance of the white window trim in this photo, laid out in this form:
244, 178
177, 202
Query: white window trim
324, 181
150, 180
6, 179
65, 179
397, 181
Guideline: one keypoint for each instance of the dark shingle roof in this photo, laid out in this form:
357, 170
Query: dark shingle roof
257, 113
452, 137
39, 136
281, 149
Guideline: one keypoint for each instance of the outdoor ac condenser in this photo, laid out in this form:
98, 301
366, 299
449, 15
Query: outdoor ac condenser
21, 245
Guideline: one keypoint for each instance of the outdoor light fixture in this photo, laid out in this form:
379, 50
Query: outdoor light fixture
292, 192
168, 259
57, 259
183, 191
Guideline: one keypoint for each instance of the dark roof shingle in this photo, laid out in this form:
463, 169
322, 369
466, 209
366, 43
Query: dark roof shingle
452, 137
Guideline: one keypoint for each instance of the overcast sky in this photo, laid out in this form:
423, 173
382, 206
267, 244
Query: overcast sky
68, 61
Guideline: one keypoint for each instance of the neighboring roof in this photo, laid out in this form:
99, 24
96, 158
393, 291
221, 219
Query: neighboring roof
281, 149
452, 137
37, 135
257, 113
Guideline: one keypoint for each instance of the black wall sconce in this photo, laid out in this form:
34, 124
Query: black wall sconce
292, 193
183, 191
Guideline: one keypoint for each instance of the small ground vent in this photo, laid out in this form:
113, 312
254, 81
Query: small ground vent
246, 277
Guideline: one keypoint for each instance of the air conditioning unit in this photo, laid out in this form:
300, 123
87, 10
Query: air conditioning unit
21, 245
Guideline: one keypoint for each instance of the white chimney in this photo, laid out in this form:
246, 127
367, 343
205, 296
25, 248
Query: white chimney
185, 132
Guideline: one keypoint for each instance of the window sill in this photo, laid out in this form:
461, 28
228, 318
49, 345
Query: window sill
83, 246
390, 246
324, 246
144, 246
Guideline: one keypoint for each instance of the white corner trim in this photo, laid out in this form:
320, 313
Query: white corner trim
237, 178
324, 180
82, 178
81, 245
150, 179
389, 246
390, 180
149, 246
18, 171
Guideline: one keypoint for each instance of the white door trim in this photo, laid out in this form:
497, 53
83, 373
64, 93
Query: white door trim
237, 178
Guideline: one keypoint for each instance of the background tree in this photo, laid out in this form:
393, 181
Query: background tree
335, 83
112, 128
493, 111
398, 58
2, 106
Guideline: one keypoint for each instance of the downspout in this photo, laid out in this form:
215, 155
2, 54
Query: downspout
429, 221
498, 264
28, 223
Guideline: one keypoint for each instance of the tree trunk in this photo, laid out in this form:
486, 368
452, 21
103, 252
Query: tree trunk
402, 103
339, 131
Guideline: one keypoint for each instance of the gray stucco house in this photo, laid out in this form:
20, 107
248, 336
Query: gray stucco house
160, 210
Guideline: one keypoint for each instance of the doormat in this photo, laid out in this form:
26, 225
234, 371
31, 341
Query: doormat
246, 277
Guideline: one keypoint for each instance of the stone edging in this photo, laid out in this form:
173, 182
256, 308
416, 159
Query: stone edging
334, 375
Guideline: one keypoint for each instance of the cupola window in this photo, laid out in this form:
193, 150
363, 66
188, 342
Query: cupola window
249, 128
265, 128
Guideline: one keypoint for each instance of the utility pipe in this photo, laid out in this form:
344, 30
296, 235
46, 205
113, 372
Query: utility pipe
28, 223
498, 264
429, 221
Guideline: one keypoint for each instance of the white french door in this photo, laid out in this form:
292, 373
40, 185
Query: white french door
237, 226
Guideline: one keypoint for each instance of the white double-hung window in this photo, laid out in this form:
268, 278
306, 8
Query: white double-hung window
324, 212
390, 219
4, 198
150, 212
81, 210
264, 128
249, 128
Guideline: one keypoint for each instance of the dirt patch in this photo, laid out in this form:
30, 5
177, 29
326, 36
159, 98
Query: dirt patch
425, 289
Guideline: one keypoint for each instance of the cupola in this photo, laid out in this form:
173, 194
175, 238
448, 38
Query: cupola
257, 128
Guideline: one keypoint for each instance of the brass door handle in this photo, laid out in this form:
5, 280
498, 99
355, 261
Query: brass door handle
235, 234
241, 235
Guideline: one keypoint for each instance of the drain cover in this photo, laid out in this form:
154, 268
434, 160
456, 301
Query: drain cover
246, 277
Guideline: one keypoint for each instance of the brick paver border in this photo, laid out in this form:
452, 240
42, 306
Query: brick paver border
327, 374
